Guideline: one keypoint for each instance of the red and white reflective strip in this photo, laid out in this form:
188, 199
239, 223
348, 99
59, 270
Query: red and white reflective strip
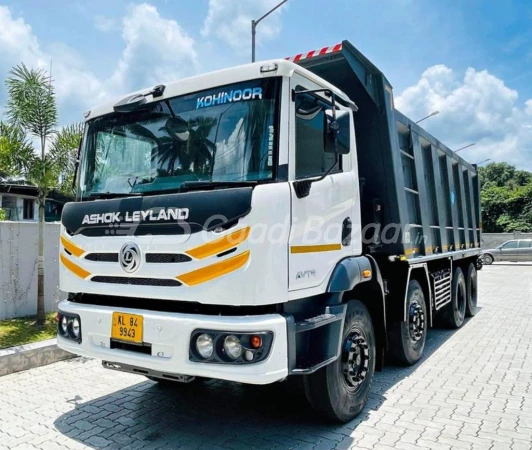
323, 51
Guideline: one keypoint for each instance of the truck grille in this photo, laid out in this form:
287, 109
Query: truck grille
102, 257
160, 258
163, 258
136, 281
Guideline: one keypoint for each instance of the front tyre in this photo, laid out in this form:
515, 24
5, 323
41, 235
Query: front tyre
407, 339
340, 390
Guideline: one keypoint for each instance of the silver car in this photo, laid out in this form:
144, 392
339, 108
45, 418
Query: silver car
514, 250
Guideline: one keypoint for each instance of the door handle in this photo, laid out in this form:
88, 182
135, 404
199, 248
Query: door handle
346, 231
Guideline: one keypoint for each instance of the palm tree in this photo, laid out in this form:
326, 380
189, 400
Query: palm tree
31, 106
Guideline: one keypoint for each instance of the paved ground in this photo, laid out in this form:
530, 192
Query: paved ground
473, 390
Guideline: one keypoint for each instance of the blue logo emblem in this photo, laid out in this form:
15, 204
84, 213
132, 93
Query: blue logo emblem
235, 95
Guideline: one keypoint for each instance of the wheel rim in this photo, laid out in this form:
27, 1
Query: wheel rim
416, 321
488, 259
355, 360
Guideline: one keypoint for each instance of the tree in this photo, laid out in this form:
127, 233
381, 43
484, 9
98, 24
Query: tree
63, 155
16, 153
31, 106
506, 197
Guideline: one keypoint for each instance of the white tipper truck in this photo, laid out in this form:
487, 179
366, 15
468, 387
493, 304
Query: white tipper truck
270, 220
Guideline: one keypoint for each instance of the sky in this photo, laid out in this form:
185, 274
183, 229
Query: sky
470, 60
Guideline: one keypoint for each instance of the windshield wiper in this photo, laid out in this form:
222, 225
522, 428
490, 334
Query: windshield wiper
188, 186
97, 195
192, 185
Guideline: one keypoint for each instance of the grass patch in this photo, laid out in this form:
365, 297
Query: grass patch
24, 330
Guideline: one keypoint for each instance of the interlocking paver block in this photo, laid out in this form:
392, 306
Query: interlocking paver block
472, 390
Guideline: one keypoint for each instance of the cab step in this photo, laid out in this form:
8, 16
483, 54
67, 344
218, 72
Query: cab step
314, 342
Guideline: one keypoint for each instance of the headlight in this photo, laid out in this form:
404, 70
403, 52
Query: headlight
75, 328
204, 345
69, 326
229, 347
64, 325
233, 347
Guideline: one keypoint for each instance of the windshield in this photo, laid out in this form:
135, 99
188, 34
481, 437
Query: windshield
226, 134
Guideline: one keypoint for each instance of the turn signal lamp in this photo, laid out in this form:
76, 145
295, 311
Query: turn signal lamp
255, 342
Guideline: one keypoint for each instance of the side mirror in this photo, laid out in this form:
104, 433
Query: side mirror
337, 132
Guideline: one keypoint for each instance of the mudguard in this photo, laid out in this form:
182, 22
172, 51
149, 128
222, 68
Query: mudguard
348, 273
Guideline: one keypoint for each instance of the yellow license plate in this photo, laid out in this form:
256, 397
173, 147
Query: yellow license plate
127, 327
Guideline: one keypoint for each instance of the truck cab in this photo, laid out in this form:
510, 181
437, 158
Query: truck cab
187, 169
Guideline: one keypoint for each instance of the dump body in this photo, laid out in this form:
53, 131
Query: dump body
418, 198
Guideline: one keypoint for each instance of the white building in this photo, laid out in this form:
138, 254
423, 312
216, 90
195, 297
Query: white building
19, 201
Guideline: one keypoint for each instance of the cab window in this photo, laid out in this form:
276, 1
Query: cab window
311, 159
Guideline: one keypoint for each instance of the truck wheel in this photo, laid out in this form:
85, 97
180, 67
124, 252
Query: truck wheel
471, 305
340, 390
455, 311
407, 339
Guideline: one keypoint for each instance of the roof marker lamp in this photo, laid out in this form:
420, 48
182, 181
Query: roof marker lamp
272, 67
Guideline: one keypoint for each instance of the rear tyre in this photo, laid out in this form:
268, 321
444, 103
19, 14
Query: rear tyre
407, 339
471, 281
340, 390
455, 311
487, 259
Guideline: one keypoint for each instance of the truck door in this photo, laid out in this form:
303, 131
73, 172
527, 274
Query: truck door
320, 219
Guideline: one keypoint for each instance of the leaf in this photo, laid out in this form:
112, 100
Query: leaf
16, 153
63, 155
31, 101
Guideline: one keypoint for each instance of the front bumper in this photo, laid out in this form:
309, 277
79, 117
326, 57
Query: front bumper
169, 336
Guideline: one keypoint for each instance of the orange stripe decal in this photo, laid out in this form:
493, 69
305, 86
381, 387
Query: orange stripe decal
214, 270
74, 268
314, 248
72, 248
219, 245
